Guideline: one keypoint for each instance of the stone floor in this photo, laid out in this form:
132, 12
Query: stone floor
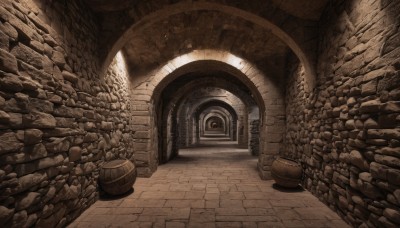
214, 185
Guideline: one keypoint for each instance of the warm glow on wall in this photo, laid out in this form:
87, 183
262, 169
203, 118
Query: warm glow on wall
233, 60
121, 63
197, 55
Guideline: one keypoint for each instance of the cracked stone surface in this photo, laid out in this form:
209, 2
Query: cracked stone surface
213, 185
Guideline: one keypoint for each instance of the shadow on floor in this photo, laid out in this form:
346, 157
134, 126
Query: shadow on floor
107, 197
288, 190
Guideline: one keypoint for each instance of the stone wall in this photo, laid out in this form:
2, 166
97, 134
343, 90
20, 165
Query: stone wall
254, 142
348, 134
59, 120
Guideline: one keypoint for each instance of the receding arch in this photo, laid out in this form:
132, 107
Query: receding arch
201, 107
211, 60
213, 121
197, 110
223, 83
230, 127
268, 96
195, 89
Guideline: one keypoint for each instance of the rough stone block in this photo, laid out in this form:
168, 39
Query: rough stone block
388, 160
370, 190
379, 171
9, 30
20, 219
27, 201
106, 125
141, 135
11, 82
40, 105
50, 161
392, 215
140, 146
15, 121
24, 31
391, 44
54, 99
8, 62
369, 88
392, 106
64, 111
28, 55
370, 106
9, 142
75, 153
39, 120
32, 136
52, 220
57, 145
391, 151
63, 132
141, 120
4, 117
38, 22
30, 180
50, 40
350, 124
84, 169
58, 58
35, 152
5, 215
358, 160
374, 74
37, 46
70, 76
390, 81
371, 124
65, 122
39, 76
90, 137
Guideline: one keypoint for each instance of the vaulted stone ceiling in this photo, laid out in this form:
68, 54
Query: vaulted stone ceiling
166, 38
306, 9
185, 32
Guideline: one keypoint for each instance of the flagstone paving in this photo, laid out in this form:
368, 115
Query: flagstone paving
214, 185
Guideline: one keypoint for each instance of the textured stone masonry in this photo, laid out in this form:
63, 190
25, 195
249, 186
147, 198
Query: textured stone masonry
347, 136
58, 119
68, 101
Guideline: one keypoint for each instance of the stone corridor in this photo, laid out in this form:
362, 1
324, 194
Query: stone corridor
213, 185
84, 83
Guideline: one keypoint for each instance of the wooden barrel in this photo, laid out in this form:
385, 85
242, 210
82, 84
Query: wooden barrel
117, 177
286, 172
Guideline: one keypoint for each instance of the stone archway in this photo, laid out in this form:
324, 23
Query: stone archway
294, 33
206, 104
267, 95
215, 118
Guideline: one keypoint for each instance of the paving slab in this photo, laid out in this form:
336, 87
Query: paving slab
213, 185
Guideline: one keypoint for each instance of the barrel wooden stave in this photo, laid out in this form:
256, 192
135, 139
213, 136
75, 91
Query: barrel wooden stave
117, 177
286, 173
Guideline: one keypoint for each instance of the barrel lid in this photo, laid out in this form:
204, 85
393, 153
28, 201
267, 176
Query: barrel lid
114, 163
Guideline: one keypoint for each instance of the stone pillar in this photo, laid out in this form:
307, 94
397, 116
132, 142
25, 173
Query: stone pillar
234, 130
254, 142
197, 131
